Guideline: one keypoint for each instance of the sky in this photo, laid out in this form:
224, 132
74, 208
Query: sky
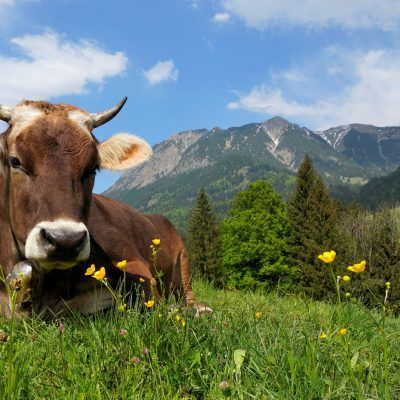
188, 64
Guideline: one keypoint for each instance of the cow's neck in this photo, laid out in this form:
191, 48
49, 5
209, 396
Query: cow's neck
9, 253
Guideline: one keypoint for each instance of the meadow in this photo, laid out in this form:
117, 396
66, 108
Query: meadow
254, 346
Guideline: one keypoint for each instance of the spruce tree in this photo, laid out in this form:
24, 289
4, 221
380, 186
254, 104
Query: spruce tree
312, 217
204, 243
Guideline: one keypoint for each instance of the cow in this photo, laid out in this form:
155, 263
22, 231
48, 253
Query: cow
52, 227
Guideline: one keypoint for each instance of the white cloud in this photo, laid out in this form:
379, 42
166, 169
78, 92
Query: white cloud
161, 72
52, 66
316, 13
372, 96
221, 18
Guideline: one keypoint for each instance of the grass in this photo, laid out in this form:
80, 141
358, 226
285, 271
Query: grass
159, 358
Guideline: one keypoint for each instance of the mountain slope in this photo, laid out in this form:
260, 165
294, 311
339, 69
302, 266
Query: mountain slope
381, 191
367, 145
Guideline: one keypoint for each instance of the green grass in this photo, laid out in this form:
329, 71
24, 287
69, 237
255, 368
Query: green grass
284, 357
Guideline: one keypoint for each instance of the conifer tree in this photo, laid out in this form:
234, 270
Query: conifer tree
312, 218
204, 243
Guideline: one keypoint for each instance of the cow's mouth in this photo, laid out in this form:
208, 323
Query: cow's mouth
58, 244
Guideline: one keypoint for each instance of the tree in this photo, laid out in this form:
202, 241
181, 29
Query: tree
204, 243
254, 239
312, 215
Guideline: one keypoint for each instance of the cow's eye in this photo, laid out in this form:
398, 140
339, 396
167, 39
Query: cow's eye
90, 172
15, 163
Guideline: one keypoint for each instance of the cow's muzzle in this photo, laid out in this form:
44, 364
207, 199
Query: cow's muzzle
58, 244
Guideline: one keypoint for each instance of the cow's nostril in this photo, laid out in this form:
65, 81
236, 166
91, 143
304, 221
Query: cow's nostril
47, 237
63, 241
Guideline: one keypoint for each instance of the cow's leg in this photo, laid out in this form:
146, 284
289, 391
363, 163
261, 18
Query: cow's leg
86, 303
139, 272
182, 275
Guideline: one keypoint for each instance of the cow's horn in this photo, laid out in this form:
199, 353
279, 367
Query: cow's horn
101, 118
6, 113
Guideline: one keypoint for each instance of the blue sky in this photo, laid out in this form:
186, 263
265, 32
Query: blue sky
204, 63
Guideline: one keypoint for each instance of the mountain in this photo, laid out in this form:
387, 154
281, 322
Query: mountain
367, 145
224, 161
381, 191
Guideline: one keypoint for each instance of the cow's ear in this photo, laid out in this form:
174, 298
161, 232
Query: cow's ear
123, 151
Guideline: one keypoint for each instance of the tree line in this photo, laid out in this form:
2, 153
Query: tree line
268, 243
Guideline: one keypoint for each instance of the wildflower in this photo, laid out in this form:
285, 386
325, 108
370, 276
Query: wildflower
357, 268
387, 285
100, 274
183, 323
146, 351
259, 314
348, 295
346, 278
135, 360
149, 303
343, 331
123, 331
327, 256
177, 318
323, 335
122, 307
141, 280
90, 270
121, 264
223, 385
156, 241
159, 315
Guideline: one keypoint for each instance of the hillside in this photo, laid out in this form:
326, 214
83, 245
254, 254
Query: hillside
224, 161
381, 191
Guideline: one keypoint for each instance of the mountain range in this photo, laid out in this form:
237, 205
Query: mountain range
224, 161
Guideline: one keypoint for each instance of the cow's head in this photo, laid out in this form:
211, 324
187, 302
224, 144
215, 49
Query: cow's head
49, 158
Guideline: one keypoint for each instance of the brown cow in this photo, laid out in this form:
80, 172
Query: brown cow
50, 219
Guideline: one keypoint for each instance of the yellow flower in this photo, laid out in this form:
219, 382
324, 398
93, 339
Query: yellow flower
327, 256
100, 274
177, 318
323, 335
149, 303
183, 323
343, 331
156, 241
90, 270
348, 294
122, 307
159, 315
346, 278
121, 264
387, 285
141, 280
360, 267
259, 314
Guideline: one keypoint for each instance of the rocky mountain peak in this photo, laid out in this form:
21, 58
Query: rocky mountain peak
275, 127
276, 122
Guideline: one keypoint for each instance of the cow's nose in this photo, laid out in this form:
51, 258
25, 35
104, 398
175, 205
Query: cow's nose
63, 243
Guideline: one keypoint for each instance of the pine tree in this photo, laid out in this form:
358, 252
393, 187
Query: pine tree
204, 243
312, 218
